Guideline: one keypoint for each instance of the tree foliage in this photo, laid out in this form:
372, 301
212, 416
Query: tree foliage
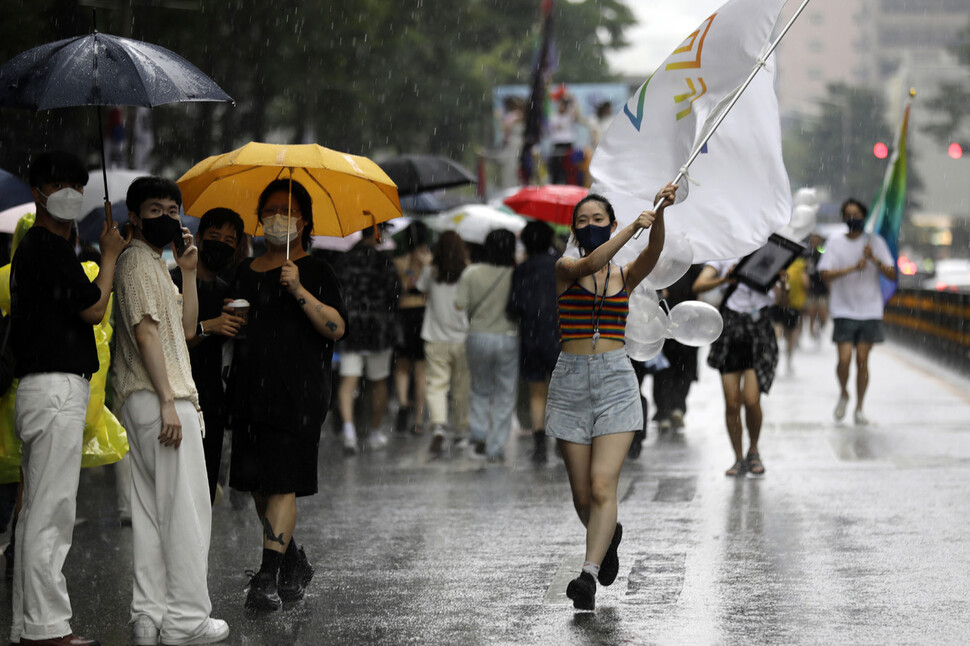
951, 99
835, 150
362, 76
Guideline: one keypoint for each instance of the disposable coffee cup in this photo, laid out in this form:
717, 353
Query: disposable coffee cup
240, 307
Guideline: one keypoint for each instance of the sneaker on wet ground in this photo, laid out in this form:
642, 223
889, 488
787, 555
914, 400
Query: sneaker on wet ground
263, 593
144, 632
437, 439
216, 630
377, 441
477, 450
860, 419
677, 419
840, 407
582, 590
295, 574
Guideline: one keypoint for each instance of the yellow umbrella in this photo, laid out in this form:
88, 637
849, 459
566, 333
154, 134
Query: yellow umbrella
349, 193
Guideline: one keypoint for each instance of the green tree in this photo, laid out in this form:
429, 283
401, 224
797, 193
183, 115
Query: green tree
835, 149
407, 75
951, 99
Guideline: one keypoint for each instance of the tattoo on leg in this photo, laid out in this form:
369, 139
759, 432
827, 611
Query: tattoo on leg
268, 532
330, 325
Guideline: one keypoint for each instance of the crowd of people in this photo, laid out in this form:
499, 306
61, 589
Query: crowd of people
230, 342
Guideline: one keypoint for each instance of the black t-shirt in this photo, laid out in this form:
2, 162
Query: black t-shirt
206, 357
48, 292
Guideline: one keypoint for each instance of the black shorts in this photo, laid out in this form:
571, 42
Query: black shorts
409, 343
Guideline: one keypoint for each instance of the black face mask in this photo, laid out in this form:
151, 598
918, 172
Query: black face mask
855, 224
216, 254
161, 231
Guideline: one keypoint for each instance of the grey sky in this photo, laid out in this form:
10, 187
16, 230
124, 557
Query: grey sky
663, 24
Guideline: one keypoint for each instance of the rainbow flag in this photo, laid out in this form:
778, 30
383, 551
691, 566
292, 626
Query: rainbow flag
886, 216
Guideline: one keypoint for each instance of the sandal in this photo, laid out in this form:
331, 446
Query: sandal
755, 467
737, 469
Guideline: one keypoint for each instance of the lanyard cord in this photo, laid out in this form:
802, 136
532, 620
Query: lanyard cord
597, 311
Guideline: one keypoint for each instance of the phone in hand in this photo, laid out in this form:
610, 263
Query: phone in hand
179, 243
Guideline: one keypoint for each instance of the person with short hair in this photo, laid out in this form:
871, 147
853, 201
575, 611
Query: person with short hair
371, 295
851, 267
152, 376
279, 385
53, 310
532, 302
219, 235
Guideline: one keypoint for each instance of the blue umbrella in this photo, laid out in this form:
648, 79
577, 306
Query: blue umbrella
13, 191
99, 69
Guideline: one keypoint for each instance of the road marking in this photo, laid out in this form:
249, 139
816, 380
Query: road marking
568, 570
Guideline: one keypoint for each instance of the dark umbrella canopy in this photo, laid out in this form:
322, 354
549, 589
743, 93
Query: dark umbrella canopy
99, 69
417, 173
13, 191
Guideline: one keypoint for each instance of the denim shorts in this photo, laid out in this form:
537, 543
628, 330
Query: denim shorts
857, 331
593, 395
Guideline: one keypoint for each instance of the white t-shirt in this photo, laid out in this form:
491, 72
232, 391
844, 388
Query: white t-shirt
443, 323
744, 299
857, 295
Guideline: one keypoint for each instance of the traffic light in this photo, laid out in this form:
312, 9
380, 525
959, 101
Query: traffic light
955, 150
880, 150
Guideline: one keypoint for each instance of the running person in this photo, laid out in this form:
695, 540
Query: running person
594, 398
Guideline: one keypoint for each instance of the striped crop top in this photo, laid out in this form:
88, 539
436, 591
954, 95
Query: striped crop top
577, 314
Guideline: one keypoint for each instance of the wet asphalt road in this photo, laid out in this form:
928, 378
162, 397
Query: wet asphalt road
856, 535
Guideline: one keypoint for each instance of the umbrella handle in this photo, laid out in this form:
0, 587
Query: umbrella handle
377, 232
107, 214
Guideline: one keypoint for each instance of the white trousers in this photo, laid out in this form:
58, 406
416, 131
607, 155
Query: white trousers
49, 420
170, 518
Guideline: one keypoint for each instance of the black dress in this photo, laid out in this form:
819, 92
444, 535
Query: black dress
279, 384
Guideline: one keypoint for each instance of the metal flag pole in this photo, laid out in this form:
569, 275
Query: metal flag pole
737, 95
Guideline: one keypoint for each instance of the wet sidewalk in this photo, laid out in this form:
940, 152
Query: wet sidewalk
855, 535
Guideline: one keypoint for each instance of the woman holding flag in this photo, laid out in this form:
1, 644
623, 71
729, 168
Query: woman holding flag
594, 407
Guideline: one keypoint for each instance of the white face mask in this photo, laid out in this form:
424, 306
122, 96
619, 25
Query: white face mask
65, 205
277, 232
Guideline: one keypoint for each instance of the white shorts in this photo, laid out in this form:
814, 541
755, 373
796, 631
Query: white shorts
373, 365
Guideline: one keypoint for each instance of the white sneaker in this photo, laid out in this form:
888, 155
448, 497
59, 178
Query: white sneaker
377, 441
840, 407
215, 631
144, 632
677, 419
350, 443
860, 419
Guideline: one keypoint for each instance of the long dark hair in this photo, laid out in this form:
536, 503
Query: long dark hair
300, 196
450, 257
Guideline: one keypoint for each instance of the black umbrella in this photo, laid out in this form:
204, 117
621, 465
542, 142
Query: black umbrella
99, 69
417, 173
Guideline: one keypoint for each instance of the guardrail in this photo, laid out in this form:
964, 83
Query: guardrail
934, 322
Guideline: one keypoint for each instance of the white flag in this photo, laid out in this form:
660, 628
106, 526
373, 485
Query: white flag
742, 194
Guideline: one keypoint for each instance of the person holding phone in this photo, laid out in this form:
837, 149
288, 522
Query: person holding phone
152, 376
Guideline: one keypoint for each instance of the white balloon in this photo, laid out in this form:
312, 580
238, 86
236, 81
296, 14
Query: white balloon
640, 351
675, 259
695, 323
646, 322
807, 196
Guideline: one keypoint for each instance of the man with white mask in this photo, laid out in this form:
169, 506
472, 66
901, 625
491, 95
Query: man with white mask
53, 309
